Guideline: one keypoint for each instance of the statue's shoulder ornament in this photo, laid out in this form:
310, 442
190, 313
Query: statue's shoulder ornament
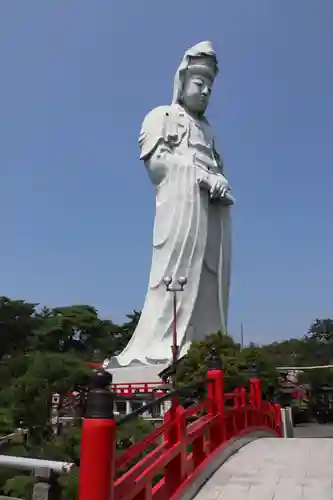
166, 124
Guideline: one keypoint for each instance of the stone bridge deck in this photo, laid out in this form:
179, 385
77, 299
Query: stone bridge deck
275, 469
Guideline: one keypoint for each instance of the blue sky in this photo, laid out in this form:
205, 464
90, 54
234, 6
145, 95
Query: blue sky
77, 78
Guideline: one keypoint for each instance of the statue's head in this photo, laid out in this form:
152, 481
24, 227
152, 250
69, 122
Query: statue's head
195, 77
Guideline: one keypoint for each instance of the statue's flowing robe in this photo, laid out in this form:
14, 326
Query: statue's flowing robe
191, 238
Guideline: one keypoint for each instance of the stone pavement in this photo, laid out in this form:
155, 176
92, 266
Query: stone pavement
313, 430
275, 469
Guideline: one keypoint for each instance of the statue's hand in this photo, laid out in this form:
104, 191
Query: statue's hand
216, 185
218, 190
219, 187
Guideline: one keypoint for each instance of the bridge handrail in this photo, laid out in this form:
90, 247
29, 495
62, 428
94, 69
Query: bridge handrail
214, 426
167, 455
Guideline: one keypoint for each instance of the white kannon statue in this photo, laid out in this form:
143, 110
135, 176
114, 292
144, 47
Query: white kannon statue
192, 229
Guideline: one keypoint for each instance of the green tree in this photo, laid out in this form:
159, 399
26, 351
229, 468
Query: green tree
20, 486
125, 332
321, 330
132, 432
27, 398
43, 351
238, 364
17, 325
72, 329
195, 364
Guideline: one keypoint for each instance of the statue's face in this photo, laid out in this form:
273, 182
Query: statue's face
196, 93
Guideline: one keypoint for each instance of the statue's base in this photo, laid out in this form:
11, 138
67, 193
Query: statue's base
137, 374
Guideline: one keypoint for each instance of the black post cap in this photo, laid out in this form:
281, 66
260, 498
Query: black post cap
214, 360
100, 398
100, 380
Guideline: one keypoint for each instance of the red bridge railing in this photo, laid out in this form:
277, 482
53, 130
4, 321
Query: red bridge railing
162, 465
128, 389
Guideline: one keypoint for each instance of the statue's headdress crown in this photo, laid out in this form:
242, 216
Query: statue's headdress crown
202, 55
203, 64
200, 59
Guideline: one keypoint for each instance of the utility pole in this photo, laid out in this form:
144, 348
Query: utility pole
242, 336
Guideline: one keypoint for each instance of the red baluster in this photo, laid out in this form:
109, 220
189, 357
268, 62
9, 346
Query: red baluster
258, 393
236, 398
256, 400
242, 397
175, 470
216, 400
253, 400
242, 405
198, 450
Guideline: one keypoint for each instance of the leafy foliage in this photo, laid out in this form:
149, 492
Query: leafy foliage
19, 486
28, 396
43, 351
238, 364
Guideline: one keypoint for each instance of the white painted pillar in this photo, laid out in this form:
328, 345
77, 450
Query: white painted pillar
128, 407
287, 422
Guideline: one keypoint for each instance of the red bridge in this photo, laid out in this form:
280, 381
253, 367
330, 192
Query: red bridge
173, 461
